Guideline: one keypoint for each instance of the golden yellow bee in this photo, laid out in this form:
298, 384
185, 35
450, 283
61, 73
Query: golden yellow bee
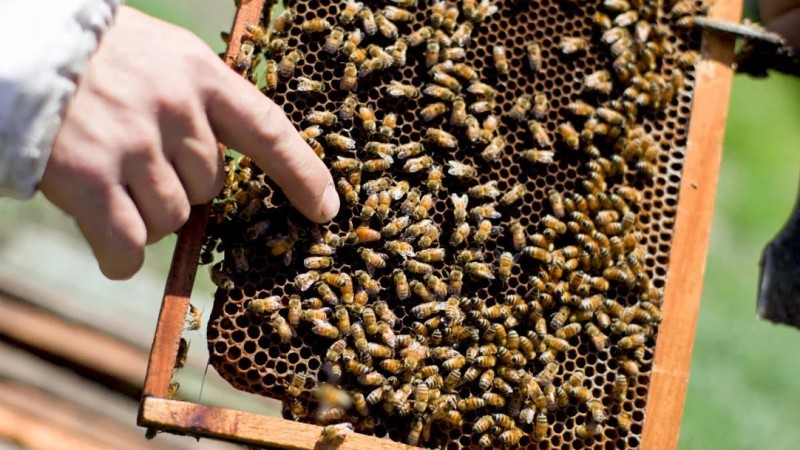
599, 340
386, 27
195, 318
419, 36
569, 135
349, 12
368, 21
433, 111
367, 116
413, 165
335, 433
400, 90
318, 262
264, 306
347, 191
244, 59
539, 156
288, 63
441, 138
340, 142
297, 384
439, 92
500, 59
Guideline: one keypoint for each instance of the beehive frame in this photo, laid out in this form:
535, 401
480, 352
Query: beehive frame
682, 292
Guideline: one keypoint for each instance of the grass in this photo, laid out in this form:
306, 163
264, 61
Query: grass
744, 370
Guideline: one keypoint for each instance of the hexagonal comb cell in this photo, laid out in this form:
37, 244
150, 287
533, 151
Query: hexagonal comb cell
509, 175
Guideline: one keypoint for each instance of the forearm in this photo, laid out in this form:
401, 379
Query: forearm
45, 47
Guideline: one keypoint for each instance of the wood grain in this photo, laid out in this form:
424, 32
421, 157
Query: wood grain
251, 428
684, 286
73, 345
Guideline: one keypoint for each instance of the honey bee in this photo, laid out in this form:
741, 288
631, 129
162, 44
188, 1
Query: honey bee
401, 248
335, 433
486, 190
538, 156
453, 54
349, 12
367, 116
540, 428
297, 384
284, 21
323, 118
481, 89
514, 194
401, 284
340, 142
569, 135
456, 282
371, 286
479, 270
454, 363
317, 262
573, 45
327, 415
195, 318
511, 437
386, 27
534, 53
433, 111
624, 421
288, 63
418, 267
368, 21
500, 59
439, 92
519, 111
485, 230
244, 59
485, 211
441, 138
264, 306
413, 165
347, 191
470, 403
599, 340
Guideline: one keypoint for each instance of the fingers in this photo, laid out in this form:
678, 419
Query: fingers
111, 224
160, 198
244, 119
192, 149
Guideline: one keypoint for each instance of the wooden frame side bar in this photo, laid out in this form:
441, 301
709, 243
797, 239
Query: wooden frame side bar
221, 423
670, 375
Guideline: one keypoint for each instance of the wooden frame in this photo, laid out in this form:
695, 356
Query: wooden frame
682, 293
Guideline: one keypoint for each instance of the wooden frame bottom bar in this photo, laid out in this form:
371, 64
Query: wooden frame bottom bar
255, 429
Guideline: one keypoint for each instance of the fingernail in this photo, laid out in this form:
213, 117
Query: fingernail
329, 205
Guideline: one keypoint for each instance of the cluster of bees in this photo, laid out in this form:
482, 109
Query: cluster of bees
395, 293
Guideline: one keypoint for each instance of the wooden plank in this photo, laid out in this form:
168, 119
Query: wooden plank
85, 350
684, 286
187, 253
250, 428
32, 434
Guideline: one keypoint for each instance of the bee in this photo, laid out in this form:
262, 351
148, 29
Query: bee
540, 428
511, 437
340, 142
439, 92
323, 118
368, 21
317, 262
327, 415
519, 111
371, 286
514, 194
413, 165
494, 150
517, 235
349, 12
448, 81
470, 403
610, 116
334, 433
538, 156
573, 45
534, 53
367, 116
441, 138
580, 108
435, 175
401, 284
599, 81
483, 424
347, 191
624, 421
456, 282
385, 26
482, 89
485, 211
288, 64
486, 190
182, 355
417, 267
461, 170
394, 227
599, 340
385, 313
297, 384
596, 410
264, 306
454, 363
479, 270
284, 21
195, 318
500, 59
569, 135
486, 230
401, 248
433, 111
459, 115
432, 49
244, 59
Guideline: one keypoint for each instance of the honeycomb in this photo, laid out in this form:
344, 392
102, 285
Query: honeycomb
527, 356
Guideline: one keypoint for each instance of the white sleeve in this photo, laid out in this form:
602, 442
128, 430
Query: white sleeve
44, 49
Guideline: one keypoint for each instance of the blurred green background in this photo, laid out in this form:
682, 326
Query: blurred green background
744, 389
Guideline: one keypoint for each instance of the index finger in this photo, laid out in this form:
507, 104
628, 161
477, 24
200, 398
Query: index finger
246, 120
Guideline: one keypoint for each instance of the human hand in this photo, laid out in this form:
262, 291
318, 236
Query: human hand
138, 141
783, 17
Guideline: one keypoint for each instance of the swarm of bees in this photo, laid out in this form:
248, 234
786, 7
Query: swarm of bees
456, 291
